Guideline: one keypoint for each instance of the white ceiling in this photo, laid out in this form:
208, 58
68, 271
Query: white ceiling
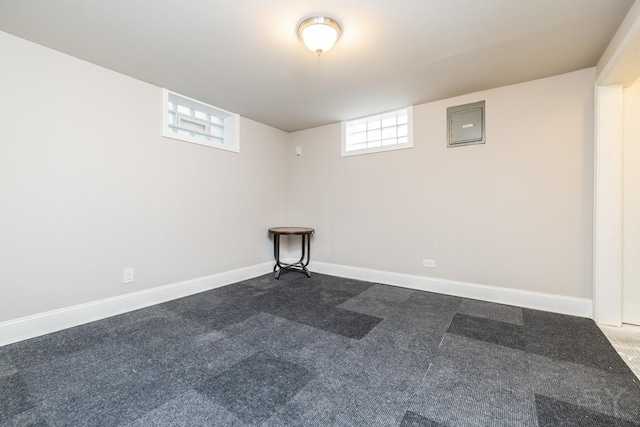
245, 55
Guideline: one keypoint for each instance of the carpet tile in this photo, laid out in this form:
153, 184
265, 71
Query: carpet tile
217, 308
7, 367
552, 413
256, 387
500, 333
339, 321
199, 410
411, 419
492, 311
472, 382
581, 385
30, 418
58, 344
320, 351
103, 385
574, 339
14, 397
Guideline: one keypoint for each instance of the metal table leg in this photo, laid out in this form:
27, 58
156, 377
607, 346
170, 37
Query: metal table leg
300, 265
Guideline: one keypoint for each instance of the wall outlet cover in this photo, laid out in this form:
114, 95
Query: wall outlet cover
128, 276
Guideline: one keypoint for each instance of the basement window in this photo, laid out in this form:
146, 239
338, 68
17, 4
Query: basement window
392, 130
193, 121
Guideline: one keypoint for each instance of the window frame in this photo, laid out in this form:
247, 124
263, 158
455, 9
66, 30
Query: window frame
381, 148
230, 124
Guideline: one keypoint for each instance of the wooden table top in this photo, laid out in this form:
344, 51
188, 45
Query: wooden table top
291, 230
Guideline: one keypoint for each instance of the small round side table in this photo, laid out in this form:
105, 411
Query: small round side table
300, 265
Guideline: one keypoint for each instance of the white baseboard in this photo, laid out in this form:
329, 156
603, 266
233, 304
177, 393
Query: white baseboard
56, 320
631, 314
547, 302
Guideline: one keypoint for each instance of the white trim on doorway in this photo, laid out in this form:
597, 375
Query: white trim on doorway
618, 67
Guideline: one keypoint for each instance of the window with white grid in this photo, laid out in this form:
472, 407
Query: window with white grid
193, 121
381, 132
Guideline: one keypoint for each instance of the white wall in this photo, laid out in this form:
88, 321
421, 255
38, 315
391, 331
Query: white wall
88, 187
631, 206
514, 213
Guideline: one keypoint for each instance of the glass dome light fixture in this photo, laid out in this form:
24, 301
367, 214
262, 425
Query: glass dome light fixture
319, 33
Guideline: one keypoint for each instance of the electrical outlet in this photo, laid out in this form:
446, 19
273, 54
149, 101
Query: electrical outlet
429, 263
128, 275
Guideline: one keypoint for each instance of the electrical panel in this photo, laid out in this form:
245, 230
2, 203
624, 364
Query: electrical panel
466, 124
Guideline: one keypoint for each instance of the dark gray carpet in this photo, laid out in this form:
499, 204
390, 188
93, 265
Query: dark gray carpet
323, 351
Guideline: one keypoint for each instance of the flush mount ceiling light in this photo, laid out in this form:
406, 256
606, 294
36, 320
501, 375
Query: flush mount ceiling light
319, 33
